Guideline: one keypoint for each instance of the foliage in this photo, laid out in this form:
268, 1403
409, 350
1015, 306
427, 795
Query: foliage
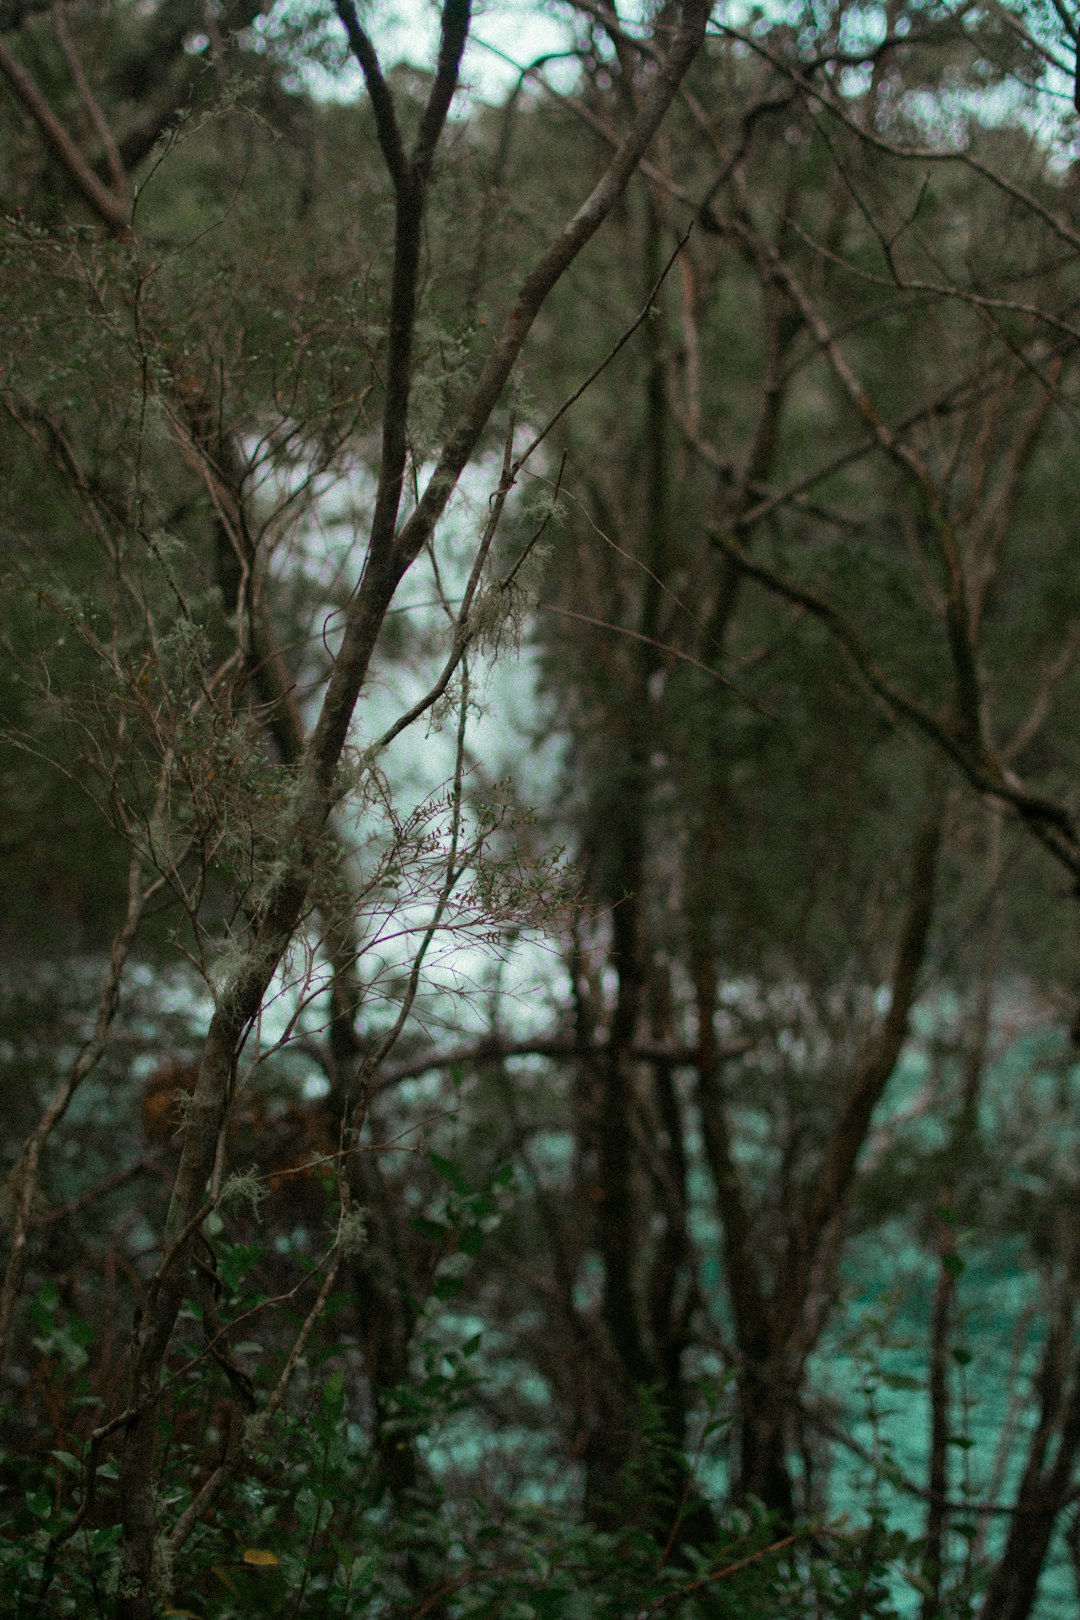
537, 1053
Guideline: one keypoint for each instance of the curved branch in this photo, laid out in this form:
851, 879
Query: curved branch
688, 34
382, 102
1050, 823
109, 206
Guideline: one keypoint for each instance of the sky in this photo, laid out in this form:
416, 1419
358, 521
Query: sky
520, 29
505, 36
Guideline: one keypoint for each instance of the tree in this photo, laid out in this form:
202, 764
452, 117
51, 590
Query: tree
789, 425
813, 305
188, 797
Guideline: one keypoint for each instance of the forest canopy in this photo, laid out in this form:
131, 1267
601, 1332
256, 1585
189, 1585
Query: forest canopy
539, 1018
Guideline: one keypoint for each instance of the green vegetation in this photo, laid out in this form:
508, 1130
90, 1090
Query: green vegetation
538, 1019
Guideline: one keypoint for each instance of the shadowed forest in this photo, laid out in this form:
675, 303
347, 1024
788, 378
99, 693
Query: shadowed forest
540, 1002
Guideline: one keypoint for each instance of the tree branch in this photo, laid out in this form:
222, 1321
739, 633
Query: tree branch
1050, 823
112, 209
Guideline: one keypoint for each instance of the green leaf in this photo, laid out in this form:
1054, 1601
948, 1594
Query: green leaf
360, 1570
333, 1395
308, 1509
105, 1537
450, 1173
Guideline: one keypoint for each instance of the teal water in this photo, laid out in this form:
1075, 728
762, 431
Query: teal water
868, 1378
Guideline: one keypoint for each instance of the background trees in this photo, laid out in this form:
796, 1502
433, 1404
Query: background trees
382, 1167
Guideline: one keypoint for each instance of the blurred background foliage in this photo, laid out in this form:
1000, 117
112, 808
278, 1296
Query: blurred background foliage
720, 1251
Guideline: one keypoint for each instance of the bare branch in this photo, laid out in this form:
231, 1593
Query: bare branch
112, 209
1050, 823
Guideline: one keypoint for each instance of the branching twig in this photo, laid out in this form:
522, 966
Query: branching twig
1051, 823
